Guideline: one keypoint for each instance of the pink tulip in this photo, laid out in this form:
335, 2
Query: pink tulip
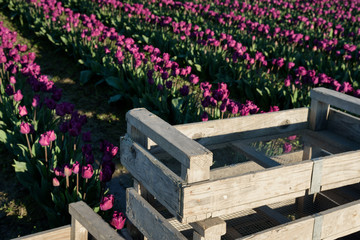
55, 182
22, 111
87, 171
18, 96
107, 202
25, 128
44, 140
118, 220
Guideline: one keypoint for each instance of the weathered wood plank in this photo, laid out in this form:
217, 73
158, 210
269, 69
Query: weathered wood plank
340, 167
191, 154
147, 219
92, 222
296, 230
344, 125
78, 231
157, 178
211, 196
231, 129
318, 116
274, 215
331, 142
256, 156
337, 99
340, 219
60, 233
211, 228
234, 170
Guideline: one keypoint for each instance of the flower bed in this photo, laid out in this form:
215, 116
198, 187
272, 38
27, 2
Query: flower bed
53, 155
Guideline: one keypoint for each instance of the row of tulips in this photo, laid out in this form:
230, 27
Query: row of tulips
53, 155
147, 76
188, 35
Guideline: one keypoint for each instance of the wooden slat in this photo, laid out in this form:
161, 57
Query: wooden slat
340, 167
337, 99
92, 222
211, 228
208, 197
157, 178
147, 219
231, 129
340, 220
78, 231
274, 215
254, 155
60, 233
234, 170
191, 154
331, 142
297, 230
319, 113
344, 124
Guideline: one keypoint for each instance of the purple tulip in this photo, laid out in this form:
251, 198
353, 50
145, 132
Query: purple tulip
106, 173
86, 136
118, 220
184, 90
87, 171
107, 202
204, 117
18, 96
9, 90
25, 128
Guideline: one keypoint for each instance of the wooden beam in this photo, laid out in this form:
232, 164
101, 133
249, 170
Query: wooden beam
92, 222
147, 219
296, 230
344, 125
209, 229
334, 220
162, 183
78, 231
256, 156
234, 170
209, 197
60, 233
274, 215
336, 99
189, 153
318, 117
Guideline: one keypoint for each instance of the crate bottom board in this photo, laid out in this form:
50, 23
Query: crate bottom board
252, 221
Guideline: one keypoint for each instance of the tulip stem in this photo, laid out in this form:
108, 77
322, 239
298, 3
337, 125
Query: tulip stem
27, 139
46, 160
84, 189
67, 181
77, 184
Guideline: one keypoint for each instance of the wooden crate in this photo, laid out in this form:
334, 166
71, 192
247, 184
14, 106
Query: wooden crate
173, 163
84, 222
329, 215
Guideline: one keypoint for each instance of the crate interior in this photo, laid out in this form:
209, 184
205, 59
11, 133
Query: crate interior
285, 148
251, 221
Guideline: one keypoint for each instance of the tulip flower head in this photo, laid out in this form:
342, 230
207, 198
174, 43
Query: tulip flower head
25, 128
107, 202
22, 111
55, 182
18, 96
118, 220
44, 140
87, 171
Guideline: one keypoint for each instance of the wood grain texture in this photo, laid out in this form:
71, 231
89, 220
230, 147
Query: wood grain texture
60, 233
344, 125
340, 167
318, 116
188, 152
296, 230
92, 222
211, 227
231, 129
156, 178
234, 170
153, 225
254, 155
78, 231
341, 219
208, 197
337, 99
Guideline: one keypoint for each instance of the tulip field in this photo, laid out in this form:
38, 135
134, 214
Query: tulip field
186, 61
